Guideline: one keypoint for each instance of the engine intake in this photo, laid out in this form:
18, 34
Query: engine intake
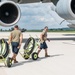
73, 6
9, 13
66, 9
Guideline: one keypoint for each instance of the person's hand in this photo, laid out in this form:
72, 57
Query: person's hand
48, 40
8, 42
19, 46
38, 46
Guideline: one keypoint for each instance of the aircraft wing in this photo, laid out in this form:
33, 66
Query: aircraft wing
30, 1
8, 16
71, 25
33, 1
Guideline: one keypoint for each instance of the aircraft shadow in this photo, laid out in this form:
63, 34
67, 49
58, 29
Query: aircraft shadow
69, 34
66, 38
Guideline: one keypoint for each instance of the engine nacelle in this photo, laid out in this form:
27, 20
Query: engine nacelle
9, 13
66, 9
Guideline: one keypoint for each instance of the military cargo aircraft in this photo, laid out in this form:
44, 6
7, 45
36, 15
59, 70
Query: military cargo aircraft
10, 12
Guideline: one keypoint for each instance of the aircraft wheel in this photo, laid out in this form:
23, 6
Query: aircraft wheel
4, 48
29, 46
26, 57
34, 56
9, 62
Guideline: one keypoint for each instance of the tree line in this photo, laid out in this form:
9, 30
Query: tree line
11, 29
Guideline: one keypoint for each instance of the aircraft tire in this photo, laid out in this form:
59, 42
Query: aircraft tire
6, 49
30, 41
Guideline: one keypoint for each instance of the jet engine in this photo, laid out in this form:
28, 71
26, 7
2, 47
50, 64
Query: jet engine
9, 13
66, 9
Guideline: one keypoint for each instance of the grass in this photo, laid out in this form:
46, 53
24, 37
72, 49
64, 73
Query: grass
53, 30
65, 31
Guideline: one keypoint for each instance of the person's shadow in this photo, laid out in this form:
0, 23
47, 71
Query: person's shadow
30, 60
24, 62
51, 56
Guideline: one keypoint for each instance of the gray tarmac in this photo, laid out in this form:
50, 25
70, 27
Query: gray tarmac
61, 49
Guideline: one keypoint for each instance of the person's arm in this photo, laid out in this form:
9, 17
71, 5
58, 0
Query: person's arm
10, 38
41, 37
48, 39
21, 39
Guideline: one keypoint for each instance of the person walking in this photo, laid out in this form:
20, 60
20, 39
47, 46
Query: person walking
43, 45
15, 39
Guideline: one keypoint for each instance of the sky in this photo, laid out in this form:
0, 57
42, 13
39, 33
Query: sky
39, 15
